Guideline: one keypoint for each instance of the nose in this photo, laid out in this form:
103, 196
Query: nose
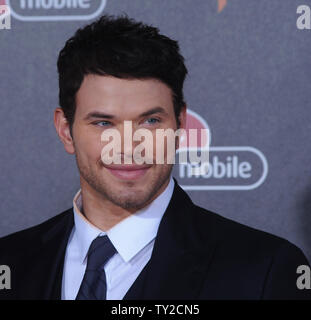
131, 137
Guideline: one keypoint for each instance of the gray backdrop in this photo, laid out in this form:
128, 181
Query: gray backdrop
249, 79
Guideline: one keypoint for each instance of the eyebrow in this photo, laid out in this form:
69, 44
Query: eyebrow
101, 115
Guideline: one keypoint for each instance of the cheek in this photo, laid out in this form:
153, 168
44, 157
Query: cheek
164, 149
88, 145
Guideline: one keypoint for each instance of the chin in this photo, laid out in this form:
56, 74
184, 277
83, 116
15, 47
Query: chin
130, 203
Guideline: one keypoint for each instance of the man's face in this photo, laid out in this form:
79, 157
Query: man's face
105, 102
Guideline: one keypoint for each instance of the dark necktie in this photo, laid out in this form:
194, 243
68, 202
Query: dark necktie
93, 286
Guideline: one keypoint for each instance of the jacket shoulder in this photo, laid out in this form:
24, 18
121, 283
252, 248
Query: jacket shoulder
237, 236
256, 264
24, 237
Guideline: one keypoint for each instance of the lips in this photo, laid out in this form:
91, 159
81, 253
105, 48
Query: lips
128, 172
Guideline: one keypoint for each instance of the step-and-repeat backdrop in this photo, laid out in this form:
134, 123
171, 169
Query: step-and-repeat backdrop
249, 84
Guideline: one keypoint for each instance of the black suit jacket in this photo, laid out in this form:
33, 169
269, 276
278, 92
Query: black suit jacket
197, 255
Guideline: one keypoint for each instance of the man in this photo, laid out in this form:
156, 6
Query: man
133, 233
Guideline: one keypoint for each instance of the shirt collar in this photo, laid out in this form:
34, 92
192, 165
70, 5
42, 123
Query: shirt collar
128, 236
84, 232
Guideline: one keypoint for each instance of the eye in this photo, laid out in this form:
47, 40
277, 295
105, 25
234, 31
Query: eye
102, 123
152, 121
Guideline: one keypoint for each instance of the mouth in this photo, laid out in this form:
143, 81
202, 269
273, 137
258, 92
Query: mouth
128, 172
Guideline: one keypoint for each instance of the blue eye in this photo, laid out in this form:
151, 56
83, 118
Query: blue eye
103, 123
152, 120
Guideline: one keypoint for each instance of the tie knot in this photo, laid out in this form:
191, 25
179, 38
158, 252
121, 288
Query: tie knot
100, 251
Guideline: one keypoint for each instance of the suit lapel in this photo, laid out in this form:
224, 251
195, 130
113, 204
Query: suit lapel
178, 264
57, 254
43, 279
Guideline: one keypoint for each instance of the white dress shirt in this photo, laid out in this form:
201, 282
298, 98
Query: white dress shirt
133, 239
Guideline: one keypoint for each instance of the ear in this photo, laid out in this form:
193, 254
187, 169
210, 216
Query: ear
182, 123
63, 130
183, 117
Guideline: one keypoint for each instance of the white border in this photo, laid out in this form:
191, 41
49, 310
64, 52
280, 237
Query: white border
58, 18
236, 187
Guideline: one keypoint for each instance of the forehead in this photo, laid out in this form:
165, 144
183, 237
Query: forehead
122, 96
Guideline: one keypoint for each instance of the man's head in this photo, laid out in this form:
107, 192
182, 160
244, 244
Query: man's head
114, 70
122, 48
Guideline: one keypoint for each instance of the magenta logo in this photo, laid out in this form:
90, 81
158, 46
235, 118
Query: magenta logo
221, 5
55, 10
